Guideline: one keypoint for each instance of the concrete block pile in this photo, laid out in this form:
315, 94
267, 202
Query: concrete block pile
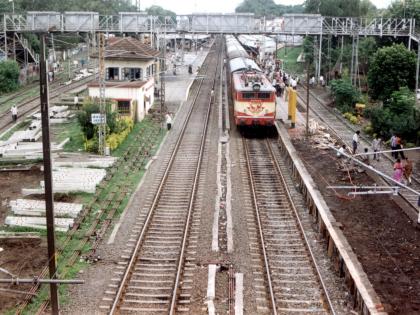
61, 224
28, 150
29, 207
31, 213
92, 161
67, 180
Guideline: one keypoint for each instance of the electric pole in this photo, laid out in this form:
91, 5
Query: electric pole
49, 196
102, 100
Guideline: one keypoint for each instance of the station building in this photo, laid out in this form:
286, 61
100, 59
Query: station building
130, 68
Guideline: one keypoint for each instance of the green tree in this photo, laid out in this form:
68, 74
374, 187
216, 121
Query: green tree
9, 76
353, 8
404, 9
398, 114
345, 95
390, 69
156, 10
267, 8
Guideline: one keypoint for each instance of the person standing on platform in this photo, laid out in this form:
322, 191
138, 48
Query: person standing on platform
398, 171
14, 112
355, 141
393, 143
408, 170
399, 146
376, 146
168, 118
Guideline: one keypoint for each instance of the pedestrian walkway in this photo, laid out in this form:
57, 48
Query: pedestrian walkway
177, 86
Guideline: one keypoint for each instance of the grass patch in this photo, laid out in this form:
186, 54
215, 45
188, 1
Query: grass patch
20, 126
148, 128
20, 97
289, 56
73, 131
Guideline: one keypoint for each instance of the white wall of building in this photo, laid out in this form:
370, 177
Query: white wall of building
144, 96
121, 64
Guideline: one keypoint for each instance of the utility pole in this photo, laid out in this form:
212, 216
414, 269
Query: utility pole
102, 100
307, 98
162, 75
49, 196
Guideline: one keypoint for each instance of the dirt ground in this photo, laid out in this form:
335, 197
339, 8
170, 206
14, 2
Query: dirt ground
22, 257
11, 184
383, 238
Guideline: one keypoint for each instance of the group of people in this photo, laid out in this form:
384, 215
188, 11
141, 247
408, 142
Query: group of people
403, 167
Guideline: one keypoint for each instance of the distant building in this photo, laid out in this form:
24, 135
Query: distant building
130, 67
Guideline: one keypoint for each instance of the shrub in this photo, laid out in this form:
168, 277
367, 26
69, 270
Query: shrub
9, 76
368, 129
351, 118
398, 114
345, 95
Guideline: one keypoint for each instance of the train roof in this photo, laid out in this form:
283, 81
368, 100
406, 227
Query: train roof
241, 78
242, 64
234, 48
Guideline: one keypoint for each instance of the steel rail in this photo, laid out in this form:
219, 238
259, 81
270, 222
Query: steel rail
53, 94
192, 199
302, 230
136, 251
257, 211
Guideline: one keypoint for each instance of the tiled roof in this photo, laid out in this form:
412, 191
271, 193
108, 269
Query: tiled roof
128, 48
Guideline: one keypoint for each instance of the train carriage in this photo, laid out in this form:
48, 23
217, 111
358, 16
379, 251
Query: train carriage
254, 98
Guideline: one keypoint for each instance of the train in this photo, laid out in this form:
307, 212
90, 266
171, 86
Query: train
253, 96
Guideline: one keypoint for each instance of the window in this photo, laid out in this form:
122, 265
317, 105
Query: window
132, 74
264, 95
248, 95
112, 74
124, 108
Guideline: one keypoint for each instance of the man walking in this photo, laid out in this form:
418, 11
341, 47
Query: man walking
168, 121
393, 143
14, 112
355, 141
376, 146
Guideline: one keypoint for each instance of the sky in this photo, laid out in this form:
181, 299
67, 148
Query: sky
220, 6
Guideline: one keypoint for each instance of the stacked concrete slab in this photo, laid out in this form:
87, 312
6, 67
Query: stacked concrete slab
71, 179
31, 213
61, 224
29, 207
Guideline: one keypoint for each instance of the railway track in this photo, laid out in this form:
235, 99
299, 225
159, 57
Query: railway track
34, 102
345, 132
290, 274
151, 282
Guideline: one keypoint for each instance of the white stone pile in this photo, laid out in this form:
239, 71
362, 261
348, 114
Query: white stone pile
29, 207
58, 115
31, 213
28, 150
67, 180
61, 224
92, 161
